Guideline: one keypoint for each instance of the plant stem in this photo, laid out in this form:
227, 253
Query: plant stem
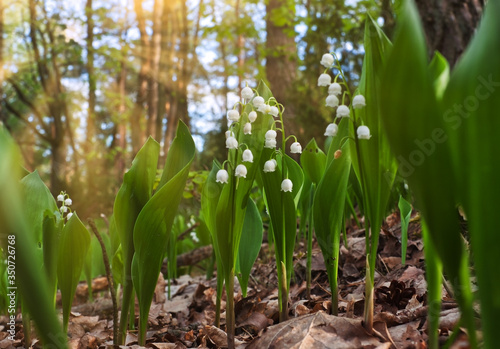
127, 295
369, 284
109, 276
309, 246
283, 294
230, 316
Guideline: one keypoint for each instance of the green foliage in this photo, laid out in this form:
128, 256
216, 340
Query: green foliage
154, 223
328, 209
405, 213
14, 223
74, 244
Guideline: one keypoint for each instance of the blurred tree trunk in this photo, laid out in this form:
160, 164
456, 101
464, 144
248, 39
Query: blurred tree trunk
449, 25
137, 117
153, 111
281, 59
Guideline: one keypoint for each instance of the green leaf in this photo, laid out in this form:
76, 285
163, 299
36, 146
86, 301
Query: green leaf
405, 213
313, 161
14, 223
75, 241
250, 243
470, 108
328, 208
154, 223
416, 131
52, 228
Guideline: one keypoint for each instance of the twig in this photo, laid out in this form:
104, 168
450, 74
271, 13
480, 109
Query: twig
110, 280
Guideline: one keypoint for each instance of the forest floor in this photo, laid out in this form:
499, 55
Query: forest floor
187, 319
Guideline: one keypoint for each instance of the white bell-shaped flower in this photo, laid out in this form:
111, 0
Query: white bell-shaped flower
222, 176
264, 109
274, 111
332, 101
271, 134
60, 197
331, 130
68, 202
324, 80
233, 115
240, 171
335, 89
258, 101
63, 209
247, 129
363, 132
358, 102
270, 143
247, 155
252, 116
247, 93
231, 143
229, 133
296, 148
270, 165
286, 185
343, 111
327, 60
68, 216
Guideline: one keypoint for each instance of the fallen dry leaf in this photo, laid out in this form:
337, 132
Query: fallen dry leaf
318, 331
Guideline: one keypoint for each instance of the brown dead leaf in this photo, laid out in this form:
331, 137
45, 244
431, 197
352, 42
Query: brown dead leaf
318, 331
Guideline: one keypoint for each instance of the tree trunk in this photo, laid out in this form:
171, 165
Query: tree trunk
281, 60
449, 25
155, 68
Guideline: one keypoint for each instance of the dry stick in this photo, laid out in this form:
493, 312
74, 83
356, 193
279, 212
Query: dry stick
110, 280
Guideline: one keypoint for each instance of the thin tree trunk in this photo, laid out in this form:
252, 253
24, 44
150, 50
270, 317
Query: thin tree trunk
153, 114
91, 122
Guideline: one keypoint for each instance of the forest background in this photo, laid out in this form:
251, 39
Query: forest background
84, 83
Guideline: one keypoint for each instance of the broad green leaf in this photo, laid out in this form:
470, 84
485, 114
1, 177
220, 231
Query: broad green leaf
470, 108
37, 199
313, 161
417, 135
250, 243
405, 213
13, 222
52, 228
154, 223
75, 242
328, 208
134, 192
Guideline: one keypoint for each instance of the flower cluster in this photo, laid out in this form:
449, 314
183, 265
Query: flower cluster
258, 105
66, 202
334, 91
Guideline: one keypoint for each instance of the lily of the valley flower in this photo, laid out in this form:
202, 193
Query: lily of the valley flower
247, 155
233, 115
271, 134
337, 154
247, 129
68, 216
231, 143
252, 116
222, 176
358, 102
327, 60
270, 165
68, 202
229, 133
335, 89
274, 111
264, 109
60, 197
63, 209
240, 171
247, 93
258, 101
363, 132
343, 111
324, 80
270, 143
296, 148
286, 185
331, 130
332, 101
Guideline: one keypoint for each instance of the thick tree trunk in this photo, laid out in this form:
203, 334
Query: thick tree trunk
449, 25
281, 60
